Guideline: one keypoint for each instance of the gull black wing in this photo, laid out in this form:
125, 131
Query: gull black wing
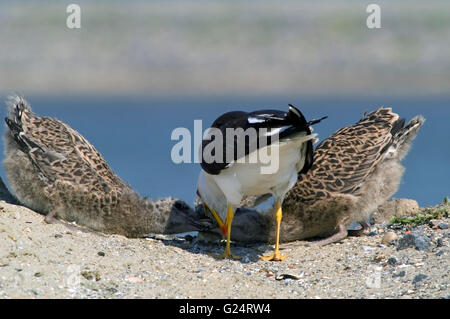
236, 134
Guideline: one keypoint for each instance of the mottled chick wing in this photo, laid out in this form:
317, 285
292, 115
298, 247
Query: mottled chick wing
344, 160
61, 153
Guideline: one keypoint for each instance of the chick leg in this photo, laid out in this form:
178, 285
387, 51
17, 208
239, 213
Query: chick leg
339, 235
276, 254
359, 232
51, 219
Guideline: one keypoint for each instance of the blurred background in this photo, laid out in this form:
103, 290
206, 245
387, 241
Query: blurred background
136, 70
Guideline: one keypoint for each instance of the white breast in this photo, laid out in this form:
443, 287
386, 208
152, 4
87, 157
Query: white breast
245, 178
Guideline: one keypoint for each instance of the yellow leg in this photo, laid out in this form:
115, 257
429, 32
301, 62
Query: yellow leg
219, 220
276, 254
227, 226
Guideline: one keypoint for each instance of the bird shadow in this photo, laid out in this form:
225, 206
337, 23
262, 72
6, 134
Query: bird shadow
5, 194
197, 234
189, 229
209, 244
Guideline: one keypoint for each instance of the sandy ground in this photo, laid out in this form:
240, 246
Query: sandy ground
38, 260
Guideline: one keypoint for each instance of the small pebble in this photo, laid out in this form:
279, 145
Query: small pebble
379, 257
405, 242
413, 240
101, 253
439, 242
433, 223
392, 261
418, 278
245, 260
287, 277
440, 252
399, 274
91, 275
38, 274
421, 243
388, 237
134, 279
442, 226
58, 236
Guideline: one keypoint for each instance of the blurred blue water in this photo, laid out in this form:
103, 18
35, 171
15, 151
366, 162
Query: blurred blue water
134, 134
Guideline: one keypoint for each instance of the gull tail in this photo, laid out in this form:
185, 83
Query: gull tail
300, 118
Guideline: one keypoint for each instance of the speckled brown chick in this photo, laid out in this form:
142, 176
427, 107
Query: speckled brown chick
354, 171
53, 169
